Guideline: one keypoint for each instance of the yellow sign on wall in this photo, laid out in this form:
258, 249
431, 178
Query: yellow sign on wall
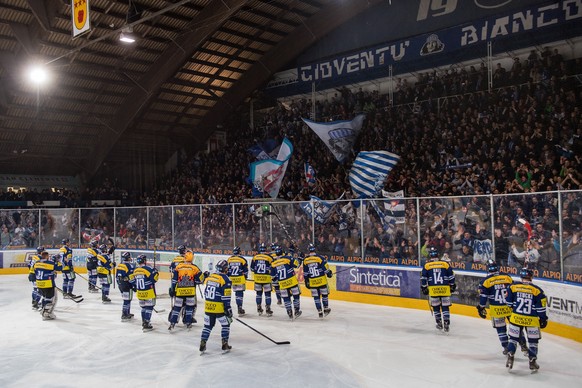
81, 18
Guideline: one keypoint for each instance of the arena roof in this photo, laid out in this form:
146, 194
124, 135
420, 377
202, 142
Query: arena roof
117, 104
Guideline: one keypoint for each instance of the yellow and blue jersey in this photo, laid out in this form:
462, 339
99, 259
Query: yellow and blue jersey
104, 264
528, 304
217, 294
314, 270
144, 280
66, 254
44, 271
238, 269
438, 276
92, 258
33, 260
261, 268
175, 261
124, 273
283, 271
493, 289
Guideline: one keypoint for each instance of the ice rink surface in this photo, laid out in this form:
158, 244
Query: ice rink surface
357, 345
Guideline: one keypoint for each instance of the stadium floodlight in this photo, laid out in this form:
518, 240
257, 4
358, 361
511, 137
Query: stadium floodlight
127, 35
38, 75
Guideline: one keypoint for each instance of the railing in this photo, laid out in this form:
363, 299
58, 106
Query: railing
469, 230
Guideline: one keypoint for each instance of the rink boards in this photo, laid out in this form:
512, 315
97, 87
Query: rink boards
396, 286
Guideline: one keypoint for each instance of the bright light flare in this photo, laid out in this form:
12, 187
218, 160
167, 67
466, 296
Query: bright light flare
38, 75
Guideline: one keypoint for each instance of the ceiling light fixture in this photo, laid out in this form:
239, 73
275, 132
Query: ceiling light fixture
126, 35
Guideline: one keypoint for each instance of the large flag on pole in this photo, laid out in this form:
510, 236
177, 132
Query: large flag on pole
338, 136
268, 174
369, 171
319, 209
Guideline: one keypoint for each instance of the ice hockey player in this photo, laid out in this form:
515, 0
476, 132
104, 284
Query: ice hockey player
438, 282
261, 268
32, 278
275, 283
44, 272
315, 271
185, 277
66, 254
104, 270
217, 295
528, 313
123, 275
238, 270
178, 259
283, 272
92, 253
144, 282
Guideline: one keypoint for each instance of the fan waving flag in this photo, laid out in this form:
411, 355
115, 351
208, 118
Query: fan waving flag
338, 136
369, 171
268, 174
309, 174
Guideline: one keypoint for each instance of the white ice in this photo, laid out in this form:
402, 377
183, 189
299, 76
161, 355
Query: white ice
357, 345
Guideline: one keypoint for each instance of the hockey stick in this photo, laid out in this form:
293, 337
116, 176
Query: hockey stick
87, 280
79, 299
344, 269
258, 332
284, 227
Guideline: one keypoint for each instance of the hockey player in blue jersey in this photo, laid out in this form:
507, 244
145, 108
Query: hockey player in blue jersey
238, 270
528, 313
144, 282
92, 253
217, 294
104, 270
315, 272
283, 272
44, 272
438, 282
275, 283
261, 268
66, 254
124, 274
32, 278
493, 290
178, 259
185, 277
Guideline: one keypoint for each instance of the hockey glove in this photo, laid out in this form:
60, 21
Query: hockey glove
482, 312
543, 323
453, 287
112, 249
424, 290
31, 277
172, 292
328, 273
206, 274
306, 280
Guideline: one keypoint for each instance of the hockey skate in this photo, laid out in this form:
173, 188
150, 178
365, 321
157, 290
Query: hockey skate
446, 327
225, 346
35, 305
505, 350
259, 310
279, 302
268, 311
320, 313
524, 348
439, 325
66, 295
533, 365
47, 315
290, 313
146, 326
298, 313
202, 347
126, 317
326, 311
241, 312
189, 325
509, 363
93, 289
172, 326
105, 299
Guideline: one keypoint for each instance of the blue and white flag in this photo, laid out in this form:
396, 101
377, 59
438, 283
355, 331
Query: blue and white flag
394, 206
388, 223
338, 136
319, 209
309, 174
268, 174
369, 171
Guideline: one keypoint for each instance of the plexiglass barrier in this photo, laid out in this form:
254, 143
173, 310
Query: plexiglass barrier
540, 229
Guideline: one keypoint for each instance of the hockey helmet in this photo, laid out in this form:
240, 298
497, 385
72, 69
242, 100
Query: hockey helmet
126, 256
236, 250
292, 249
188, 256
433, 253
40, 249
94, 243
222, 266
103, 248
278, 250
55, 258
273, 246
182, 249
141, 259
66, 241
311, 248
492, 267
526, 274
262, 248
